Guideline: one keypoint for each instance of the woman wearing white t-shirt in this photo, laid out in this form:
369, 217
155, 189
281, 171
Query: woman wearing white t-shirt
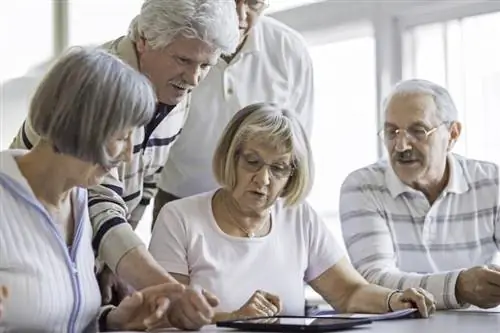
84, 110
254, 241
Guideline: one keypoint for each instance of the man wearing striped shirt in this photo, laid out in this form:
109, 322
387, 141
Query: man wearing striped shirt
425, 217
173, 43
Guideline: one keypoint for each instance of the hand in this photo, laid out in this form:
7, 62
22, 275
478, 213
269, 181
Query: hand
192, 310
4, 293
143, 310
479, 286
413, 298
260, 304
113, 289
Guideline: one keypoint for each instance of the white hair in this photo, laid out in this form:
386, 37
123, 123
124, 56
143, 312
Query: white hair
446, 109
215, 22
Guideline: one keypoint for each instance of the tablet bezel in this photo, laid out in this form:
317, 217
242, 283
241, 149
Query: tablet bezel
247, 325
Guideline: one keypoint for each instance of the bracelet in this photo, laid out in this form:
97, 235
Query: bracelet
388, 299
103, 318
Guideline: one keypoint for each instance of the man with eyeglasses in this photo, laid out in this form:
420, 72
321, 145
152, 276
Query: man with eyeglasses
271, 64
425, 217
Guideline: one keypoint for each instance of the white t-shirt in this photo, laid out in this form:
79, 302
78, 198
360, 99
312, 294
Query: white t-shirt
273, 66
187, 240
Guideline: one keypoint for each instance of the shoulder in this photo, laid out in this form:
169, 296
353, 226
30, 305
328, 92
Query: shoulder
477, 170
192, 208
367, 177
301, 214
278, 35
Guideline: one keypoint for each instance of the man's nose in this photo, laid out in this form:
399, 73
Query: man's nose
402, 141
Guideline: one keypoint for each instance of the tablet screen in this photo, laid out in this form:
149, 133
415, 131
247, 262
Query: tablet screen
296, 321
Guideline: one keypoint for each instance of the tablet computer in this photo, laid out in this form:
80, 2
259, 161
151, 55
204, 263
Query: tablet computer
293, 324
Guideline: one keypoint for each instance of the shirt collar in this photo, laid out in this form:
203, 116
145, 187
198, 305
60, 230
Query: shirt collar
124, 48
457, 183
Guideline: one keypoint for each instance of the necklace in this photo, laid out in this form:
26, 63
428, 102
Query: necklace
249, 233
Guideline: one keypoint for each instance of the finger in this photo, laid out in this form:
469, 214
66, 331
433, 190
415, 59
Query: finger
4, 292
275, 300
170, 290
211, 298
418, 300
182, 320
257, 309
159, 312
197, 305
492, 277
429, 300
270, 308
107, 294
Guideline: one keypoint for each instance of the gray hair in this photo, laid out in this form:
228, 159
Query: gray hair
275, 126
86, 98
446, 109
215, 22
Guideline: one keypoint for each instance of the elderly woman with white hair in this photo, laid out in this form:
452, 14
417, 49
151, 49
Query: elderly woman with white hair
254, 241
85, 111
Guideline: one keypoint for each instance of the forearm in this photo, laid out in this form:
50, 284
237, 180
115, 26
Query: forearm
139, 269
441, 285
367, 298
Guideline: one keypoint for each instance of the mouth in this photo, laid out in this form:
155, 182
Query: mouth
258, 194
408, 162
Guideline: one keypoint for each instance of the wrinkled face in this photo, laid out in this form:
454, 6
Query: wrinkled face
416, 139
262, 173
177, 68
248, 14
120, 149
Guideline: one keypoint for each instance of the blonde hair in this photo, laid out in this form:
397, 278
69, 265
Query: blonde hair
277, 127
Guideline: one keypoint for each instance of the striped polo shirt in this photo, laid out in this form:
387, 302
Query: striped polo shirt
397, 239
118, 203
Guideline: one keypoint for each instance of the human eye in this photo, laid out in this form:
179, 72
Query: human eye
418, 132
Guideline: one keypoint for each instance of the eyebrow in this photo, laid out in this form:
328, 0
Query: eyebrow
280, 160
416, 123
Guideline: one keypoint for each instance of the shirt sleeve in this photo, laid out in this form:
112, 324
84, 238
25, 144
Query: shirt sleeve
302, 91
496, 236
169, 241
26, 137
371, 248
324, 250
113, 236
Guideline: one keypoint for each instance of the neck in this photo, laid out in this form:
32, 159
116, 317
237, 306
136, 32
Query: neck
232, 211
433, 187
45, 172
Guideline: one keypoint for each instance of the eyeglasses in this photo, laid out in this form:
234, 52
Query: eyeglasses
254, 163
256, 5
413, 133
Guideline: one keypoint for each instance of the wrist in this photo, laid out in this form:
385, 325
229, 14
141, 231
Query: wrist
112, 323
458, 290
389, 299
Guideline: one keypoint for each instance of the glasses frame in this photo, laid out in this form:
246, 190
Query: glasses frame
242, 159
381, 133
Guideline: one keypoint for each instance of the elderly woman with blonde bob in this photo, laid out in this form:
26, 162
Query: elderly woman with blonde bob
85, 110
254, 242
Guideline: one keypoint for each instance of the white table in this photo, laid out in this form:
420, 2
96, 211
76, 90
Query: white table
441, 322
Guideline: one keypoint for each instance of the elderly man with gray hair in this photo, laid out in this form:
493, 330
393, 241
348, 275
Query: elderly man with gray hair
174, 43
426, 217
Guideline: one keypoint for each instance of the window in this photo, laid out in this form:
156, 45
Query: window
99, 21
345, 123
464, 56
26, 34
